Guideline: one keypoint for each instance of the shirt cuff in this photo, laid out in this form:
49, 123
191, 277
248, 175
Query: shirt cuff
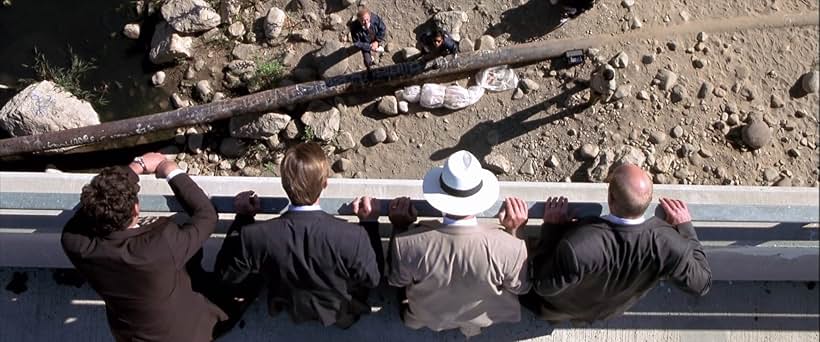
173, 174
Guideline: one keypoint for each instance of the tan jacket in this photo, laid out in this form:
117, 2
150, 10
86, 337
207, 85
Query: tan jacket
465, 277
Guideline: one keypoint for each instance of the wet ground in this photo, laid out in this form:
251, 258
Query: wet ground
93, 30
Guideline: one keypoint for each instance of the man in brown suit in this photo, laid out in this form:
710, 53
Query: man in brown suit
598, 267
138, 267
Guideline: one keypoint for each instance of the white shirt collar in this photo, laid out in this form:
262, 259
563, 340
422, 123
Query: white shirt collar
623, 221
298, 208
460, 223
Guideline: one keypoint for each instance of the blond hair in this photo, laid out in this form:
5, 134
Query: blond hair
304, 173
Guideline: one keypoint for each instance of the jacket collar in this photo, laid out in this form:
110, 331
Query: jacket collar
132, 232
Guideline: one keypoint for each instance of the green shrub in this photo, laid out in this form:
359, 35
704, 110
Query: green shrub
69, 79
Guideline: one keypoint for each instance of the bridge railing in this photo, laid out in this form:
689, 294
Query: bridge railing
751, 233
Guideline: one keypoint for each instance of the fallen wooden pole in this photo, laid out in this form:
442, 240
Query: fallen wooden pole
381, 78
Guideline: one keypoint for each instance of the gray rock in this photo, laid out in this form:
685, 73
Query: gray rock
249, 171
158, 78
793, 152
377, 136
330, 62
404, 107
622, 92
719, 92
247, 52
333, 21
303, 35
343, 165
682, 174
497, 163
528, 85
733, 120
770, 174
236, 29
620, 61
635, 23
292, 130
194, 143
756, 134
663, 163
204, 90
657, 137
705, 153
45, 107
667, 79
600, 166
777, 101
528, 168
643, 95
408, 53
131, 31
810, 81
190, 16
345, 141
228, 9
167, 45
392, 137
706, 89
588, 152
225, 165
451, 21
274, 22
240, 164
678, 94
648, 59
322, 120
485, 42
630, 155
628, 3
784, 182
179, 102
672, 46
190, 73
676, 132
660, 178
258, 126
553, 161
702, 37
389, 105
698, 63
231, 148
518, 94
748, 93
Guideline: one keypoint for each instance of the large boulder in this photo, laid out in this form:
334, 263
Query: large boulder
274, 22
451, 21
190, 16
334, 59
258, 126
322, 120
167, 45
45, 107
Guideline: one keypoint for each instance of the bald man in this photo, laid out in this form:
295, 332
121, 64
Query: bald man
595, 268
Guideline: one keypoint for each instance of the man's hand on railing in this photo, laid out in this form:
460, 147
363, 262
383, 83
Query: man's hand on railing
147, 163
676, 211
556, 210
366, 208
402, 213
246, 203
513, 214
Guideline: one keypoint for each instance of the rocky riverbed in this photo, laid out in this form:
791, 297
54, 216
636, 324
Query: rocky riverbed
737, 107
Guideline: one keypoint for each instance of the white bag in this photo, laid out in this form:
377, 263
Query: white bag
410, 94
432, 96
458, 97
500, 78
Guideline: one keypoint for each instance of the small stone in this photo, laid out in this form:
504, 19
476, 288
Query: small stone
810, 82
379, 135
770, 174
404, 107
218, 96
274, 22
657, 137
793, 152
648, 59
240, 164
528, 168
643, 95
748, 93
292, 130
628, 3
719, 92
698, 63
676, 132
408, 53
528, 85
635, 23
623, 91
705, 153
486, 42
667, 79
342, 165
706, 88
345, 141
518, 94
389, 105
588, 152
204, 90
231, 148
392, 137
190, 73
179, 102
756, 134
497, 163
702, 37
733, 120
225, 165
672, 46
236, 29
249, 171
777, 101
683, 15
620, 61
131, 31
158, 78
195, 143
678, 94
784, 182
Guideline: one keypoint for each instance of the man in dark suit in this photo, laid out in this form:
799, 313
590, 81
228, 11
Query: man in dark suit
368, 33
598, 267
438, 43
138, 267
315, 266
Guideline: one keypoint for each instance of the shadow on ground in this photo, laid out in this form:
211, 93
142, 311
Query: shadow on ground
532, 20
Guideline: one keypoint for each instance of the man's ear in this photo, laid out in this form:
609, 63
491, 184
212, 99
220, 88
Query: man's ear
324, 183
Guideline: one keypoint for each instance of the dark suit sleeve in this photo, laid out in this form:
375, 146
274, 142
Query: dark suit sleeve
381, 31
188, 239
362, 265
233, 262
692, 273
372, 229
557, 271
450, 45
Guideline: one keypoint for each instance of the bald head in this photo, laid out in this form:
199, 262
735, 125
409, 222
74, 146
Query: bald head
630, 191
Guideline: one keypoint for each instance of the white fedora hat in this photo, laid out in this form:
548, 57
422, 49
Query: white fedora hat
462, 187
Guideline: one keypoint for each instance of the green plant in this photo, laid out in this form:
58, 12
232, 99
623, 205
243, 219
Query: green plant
69, 79
307, 134
268, 73
270, 167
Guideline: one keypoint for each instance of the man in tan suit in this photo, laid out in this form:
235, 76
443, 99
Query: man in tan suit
459, 274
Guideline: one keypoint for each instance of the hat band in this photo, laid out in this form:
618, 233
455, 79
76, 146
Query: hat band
459, 193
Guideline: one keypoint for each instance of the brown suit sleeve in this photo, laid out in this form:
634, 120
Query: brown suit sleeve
188, 239
692, 273
556, 271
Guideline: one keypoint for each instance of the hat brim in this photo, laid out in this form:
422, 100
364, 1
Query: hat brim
460, 206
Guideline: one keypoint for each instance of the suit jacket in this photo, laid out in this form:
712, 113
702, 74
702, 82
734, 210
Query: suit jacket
596, 269
140, 272
362, 37
464, 277
316, 266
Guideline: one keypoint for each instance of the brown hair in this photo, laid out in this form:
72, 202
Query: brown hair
304, 173
109, 200
362, 11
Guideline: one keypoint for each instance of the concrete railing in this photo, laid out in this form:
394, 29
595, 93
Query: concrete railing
751, 233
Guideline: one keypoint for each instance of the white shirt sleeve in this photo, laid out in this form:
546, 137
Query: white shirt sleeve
173, 174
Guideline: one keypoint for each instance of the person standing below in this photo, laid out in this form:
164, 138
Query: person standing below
602, 85
315, 266
137, 266
368, 33
438, 43
571, 9
459, 274
598, 267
